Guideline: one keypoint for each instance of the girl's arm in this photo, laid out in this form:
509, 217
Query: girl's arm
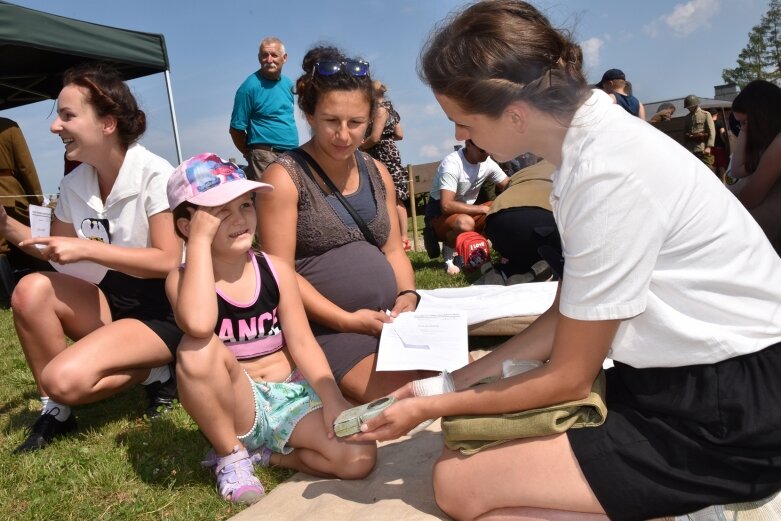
754, 188
277, 218
191, 289
394, 250
378, 125
307, 354
156, 261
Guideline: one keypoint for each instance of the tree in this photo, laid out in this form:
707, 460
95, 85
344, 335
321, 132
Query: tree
761, 58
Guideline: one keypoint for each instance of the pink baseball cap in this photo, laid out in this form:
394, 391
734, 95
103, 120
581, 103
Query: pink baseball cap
208, 180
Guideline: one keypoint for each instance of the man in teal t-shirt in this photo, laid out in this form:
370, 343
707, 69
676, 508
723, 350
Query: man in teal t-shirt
262, 124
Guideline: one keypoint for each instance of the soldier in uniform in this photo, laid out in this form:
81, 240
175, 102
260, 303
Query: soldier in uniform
699, 132
19, 187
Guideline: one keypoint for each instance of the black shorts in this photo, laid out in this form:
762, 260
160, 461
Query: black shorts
143, 300
680, 439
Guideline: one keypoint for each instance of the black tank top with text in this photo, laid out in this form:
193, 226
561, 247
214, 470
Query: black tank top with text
252, 329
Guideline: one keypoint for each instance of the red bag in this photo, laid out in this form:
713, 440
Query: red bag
473, 250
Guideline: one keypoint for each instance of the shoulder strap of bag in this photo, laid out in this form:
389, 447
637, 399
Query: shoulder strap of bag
305, 160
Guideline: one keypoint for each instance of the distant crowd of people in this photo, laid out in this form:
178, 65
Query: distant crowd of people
258, 295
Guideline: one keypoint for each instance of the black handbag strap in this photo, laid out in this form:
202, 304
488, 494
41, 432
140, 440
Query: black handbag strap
305, 160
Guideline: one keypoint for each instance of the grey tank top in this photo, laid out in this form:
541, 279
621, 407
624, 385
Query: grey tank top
320, 226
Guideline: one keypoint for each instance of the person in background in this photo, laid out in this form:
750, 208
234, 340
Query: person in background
250, 373
452, 207
352, 280
756, 159
519, 223
614, 83
719, 150
664, 112
112, 218
262, 124
698, 132
19, 188
688, 310
380, 143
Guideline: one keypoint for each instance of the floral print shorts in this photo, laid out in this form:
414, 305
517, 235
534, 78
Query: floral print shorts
279, 406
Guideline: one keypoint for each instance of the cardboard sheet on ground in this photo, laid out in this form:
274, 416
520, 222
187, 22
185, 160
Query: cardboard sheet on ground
399, 488
436, 341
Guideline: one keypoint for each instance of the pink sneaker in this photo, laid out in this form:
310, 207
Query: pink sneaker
236, 481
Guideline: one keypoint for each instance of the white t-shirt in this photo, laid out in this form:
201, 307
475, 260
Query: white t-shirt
458, 175
138, 193
653, 238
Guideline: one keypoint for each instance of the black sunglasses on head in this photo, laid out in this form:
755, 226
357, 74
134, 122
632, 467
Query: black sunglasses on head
358, 68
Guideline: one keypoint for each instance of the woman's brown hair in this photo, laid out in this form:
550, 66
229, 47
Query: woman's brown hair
500, 51
109, 96
760, 101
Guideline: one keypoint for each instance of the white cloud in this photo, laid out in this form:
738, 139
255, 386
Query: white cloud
685, 18
591, 49
431, 109
430, 151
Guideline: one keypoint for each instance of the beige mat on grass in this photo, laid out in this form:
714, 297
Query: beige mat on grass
399, 488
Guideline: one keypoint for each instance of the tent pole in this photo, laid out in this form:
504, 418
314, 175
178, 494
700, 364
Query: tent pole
173, 116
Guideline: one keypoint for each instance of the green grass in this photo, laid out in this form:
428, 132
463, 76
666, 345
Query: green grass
120, 466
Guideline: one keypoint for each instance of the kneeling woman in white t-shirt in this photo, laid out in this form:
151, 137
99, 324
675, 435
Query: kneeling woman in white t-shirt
108, 295
664, 271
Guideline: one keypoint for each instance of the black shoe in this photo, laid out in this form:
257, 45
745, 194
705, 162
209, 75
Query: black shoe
541, 271
490, 276
45, 429
161, 396
431, 243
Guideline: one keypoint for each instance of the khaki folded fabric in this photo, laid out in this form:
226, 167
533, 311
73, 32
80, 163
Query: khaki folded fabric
471, 434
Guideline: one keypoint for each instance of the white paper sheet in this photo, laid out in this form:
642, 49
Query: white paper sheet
40, 222
481, 303
434, 341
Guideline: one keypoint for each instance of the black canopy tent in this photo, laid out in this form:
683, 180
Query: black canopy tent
37, 47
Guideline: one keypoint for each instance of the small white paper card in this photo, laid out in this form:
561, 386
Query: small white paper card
434, 341
40, 222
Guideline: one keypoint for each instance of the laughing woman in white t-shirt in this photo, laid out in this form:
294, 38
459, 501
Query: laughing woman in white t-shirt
664, 271
108, 292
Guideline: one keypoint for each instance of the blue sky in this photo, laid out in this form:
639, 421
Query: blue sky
667, 48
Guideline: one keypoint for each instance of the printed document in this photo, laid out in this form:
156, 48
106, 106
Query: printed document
435, 341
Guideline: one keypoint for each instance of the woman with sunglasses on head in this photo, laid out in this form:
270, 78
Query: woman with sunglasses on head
112, 242
654, 278
351, 268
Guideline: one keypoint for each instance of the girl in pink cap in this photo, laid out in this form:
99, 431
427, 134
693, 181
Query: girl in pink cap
249, 386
